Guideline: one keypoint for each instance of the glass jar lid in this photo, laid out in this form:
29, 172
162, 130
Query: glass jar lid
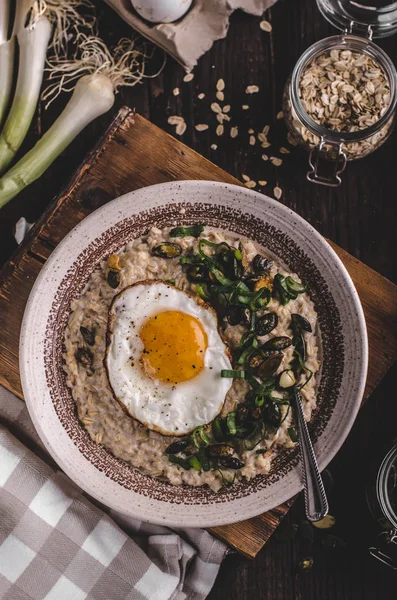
386, 486
369, 18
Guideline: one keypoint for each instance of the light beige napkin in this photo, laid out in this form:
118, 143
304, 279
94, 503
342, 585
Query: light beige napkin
190, 37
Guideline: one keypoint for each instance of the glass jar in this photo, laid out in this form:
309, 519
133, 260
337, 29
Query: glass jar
323, 142
382, 502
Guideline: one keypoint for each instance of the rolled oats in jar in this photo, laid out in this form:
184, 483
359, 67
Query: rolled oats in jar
340, 101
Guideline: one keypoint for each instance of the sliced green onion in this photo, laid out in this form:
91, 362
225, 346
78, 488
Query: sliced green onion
294, 287
194, 462
199, 432
171, 281
190, 260
194, 231
202, 290
217, 430
292, 434
281, 289
220, 277
202, 456
231, 423
233, 373
259, 400
238, 254
178, 460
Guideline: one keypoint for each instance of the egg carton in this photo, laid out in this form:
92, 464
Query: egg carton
191, 36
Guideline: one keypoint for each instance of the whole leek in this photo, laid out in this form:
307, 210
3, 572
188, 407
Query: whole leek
93, 95
36, 24
33, 45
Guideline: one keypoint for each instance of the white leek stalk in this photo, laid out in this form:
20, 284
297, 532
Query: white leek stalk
6, 58
93, 95
33, 45
45, 20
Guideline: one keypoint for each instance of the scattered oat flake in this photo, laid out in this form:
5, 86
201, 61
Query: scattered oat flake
188, 77
201, 127
262, 183
250, 184
251, 89
219, 130
280, 115
233, 132
262, 137
220, 117
284, 150
245, 177
266, 144
215, 107
266, 129
226, 108
250, 131
277, 162
265, 157
220, 96
265, 26
214, 146
175, 120
252, 140
220, 85
278, 192
175, 91
201, 96
180, 128
245, 106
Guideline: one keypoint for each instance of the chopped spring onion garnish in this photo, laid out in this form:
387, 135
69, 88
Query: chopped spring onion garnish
287, 288
6, 58
217, 430
194, 231
199, 437
194, 462
92, 96
231, 423
233, 373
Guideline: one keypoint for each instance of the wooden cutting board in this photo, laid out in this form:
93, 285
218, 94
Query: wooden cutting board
134, 153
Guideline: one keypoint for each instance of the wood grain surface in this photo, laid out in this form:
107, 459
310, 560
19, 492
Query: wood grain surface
135, 153
360, 216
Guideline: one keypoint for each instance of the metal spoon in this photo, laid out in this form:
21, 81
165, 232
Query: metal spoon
316, 503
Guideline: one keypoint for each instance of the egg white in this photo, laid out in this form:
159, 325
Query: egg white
174, 409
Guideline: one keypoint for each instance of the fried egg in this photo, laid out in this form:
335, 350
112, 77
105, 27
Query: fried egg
164, 358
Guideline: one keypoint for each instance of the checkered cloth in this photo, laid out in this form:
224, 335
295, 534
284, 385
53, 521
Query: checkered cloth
56, 544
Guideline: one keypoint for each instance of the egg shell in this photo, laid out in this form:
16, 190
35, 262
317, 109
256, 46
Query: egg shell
161, 11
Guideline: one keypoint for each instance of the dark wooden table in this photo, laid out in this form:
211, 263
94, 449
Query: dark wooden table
359, 216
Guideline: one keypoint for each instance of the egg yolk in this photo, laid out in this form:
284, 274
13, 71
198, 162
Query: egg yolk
174, 346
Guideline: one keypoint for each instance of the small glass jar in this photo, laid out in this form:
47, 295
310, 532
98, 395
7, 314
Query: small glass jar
382, 503
323, 142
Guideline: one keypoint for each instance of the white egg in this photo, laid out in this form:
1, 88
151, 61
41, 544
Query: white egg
161, 11
164, 358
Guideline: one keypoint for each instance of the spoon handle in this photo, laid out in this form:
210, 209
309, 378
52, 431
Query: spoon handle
316, 503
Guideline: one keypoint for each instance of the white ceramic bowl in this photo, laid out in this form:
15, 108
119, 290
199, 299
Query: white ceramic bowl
237, 209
